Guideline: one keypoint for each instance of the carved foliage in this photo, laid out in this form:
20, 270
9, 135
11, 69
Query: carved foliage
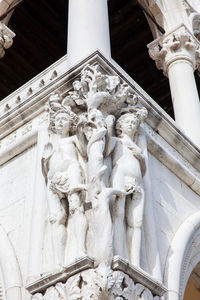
93, 91
180, 44
101, 283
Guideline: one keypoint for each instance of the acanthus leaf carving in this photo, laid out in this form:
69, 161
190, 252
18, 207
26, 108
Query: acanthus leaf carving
180, 44
101, 283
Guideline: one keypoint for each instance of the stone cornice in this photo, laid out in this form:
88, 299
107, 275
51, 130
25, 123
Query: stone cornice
179, 44
138, 275
48, 280
28, 101
118, 264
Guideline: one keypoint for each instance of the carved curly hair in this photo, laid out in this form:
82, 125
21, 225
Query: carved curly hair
139, 113
67, 111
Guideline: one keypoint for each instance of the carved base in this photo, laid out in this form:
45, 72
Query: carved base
83, 282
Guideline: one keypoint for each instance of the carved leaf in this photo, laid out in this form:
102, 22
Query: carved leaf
91, 287
60, 287
115, 280
127, 287
72, 287
51, 294
147, 295
139, 288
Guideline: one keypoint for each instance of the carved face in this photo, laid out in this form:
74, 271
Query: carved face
129, 125
62, 124
77, 85
96, 117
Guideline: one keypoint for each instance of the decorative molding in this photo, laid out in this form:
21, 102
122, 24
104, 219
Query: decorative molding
22, 138
180, 44
175, 162
139, 276
124, 282
52, 279
29, 100
188, 265
181, 260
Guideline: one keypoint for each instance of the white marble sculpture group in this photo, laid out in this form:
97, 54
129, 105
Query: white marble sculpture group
93, 169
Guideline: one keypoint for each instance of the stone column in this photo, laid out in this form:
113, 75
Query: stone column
88, 29
177, 54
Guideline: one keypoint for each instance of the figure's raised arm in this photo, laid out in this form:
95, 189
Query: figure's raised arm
81, 141
46, 155
110, 140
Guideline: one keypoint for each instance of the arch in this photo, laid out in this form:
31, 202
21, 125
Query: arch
10, 268
195, 22
192, 289
183, 256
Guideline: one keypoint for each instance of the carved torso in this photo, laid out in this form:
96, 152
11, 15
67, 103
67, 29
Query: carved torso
125, 161
63, 156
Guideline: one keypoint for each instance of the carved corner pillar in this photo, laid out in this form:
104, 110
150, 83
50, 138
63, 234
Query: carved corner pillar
81, 280
6, 38
92, 245
178, 55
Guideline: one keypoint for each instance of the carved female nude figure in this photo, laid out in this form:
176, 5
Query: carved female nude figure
128, 170
64, 188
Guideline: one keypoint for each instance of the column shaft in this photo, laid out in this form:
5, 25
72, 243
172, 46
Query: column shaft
88, 29
178, 54
185, 98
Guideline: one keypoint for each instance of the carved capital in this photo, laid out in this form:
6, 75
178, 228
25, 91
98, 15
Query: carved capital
180, 44
6, 38
103, 282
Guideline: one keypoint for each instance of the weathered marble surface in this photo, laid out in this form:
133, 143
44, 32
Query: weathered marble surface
93, 169
103, 282
173, 180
